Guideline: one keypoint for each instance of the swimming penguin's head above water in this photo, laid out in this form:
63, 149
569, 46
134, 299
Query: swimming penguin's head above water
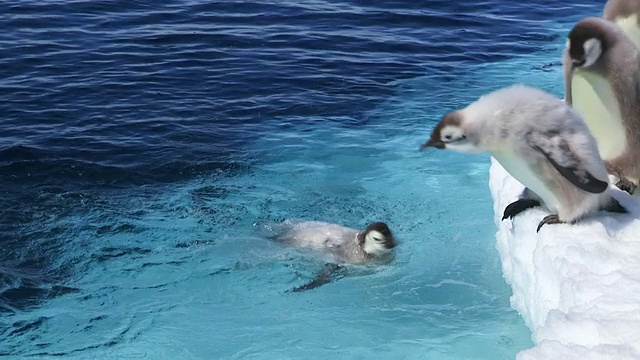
376, 240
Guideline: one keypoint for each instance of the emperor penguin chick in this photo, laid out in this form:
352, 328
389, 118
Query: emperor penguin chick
338, 244
375, 243
542, 142
625, 14
602, 82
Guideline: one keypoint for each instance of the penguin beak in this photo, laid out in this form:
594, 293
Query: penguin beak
577, 63
569, 66
432, 143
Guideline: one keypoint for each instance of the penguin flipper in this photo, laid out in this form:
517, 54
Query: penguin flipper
328, 273
569, 163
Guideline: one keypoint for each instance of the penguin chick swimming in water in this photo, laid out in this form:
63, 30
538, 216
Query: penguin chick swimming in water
339, 245
542, 142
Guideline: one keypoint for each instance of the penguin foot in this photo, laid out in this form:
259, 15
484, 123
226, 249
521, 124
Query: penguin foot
329, 273
626, 185
519, 206
550, 219
615, 207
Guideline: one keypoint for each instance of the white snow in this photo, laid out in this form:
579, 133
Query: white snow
576, 286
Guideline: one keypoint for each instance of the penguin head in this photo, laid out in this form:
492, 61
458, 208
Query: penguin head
451, 134
588, 40
377, 240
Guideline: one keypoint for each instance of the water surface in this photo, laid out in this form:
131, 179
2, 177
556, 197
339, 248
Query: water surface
141, 145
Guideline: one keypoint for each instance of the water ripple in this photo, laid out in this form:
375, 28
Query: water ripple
108, 108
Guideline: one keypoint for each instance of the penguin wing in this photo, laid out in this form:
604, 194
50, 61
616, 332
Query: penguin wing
329, 273
568, 162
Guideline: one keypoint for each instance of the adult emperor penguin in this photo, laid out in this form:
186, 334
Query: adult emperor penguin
602, 82
338, 244
542, 142
625, 14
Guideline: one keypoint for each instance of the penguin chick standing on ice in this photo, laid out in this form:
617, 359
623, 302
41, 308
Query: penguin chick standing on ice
625, 14
542, 142
602, 82
342, 245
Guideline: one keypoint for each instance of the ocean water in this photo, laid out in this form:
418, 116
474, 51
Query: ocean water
143, 145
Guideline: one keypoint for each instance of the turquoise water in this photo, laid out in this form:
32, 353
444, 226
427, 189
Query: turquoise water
191, 277
137, 234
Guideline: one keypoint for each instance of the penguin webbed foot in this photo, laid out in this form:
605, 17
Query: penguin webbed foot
329, 273
550, 219
519, 206
626, 185
614, 206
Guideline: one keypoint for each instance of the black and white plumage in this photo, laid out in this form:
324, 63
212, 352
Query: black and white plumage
626, 15
542, 142
602, 82
342, 244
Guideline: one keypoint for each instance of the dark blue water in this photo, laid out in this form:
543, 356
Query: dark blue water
140, 143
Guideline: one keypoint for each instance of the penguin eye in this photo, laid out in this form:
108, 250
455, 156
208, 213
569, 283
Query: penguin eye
449, 137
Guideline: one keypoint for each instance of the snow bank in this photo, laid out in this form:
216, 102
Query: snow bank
577, 287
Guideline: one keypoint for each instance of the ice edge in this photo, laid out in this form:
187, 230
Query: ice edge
576, 286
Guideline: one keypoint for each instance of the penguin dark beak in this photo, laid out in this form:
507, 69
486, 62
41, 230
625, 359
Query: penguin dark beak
569, 66
432, 143
577, 63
